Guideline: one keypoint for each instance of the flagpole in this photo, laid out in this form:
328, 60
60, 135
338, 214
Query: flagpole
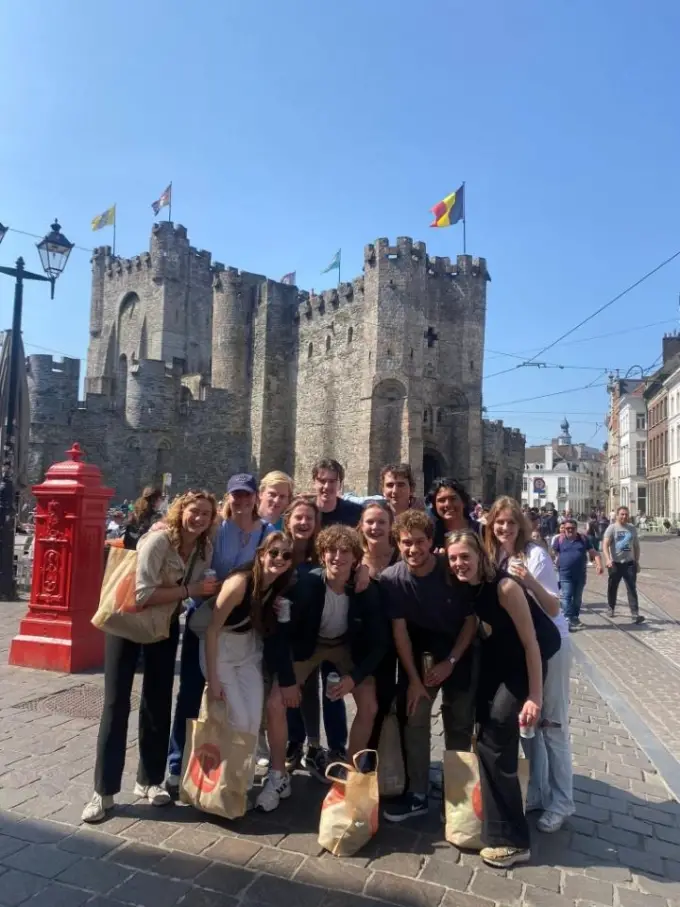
170, 204
114, 231
464, 220
339, 261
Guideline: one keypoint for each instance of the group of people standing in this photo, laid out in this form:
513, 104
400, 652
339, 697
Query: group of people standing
294, 602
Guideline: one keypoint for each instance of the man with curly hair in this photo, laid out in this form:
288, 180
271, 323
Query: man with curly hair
433, 625
330, 622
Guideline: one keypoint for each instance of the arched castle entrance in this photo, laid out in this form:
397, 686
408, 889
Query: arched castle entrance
434, 466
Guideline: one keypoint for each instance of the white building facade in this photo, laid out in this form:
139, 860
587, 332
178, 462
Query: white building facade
673, 388
565, 475
632, 479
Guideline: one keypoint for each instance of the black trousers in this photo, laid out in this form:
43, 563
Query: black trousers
628, 573
504, 823
121, 657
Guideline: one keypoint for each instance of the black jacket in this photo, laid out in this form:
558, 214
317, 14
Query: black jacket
368, 631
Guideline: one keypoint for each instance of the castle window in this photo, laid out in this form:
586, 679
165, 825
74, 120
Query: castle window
411, 352
425, 417
439, 417
310, 350
176, 316
389, 353
350, 335
472, 365
328, 344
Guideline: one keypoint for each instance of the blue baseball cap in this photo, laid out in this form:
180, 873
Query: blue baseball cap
242, 481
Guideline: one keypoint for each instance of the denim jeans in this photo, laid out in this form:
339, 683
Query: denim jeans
571, 594
304, 723
551, 779
191, 684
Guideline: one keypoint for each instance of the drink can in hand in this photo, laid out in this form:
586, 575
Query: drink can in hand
527, 731
210, 574
283, 611
332, 679
427, 662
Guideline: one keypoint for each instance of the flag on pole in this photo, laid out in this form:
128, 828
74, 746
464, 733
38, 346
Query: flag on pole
335, 263
289, 278
450, 210
163, 201
106, 219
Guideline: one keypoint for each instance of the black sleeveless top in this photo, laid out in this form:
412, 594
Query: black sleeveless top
239, 621
502, 648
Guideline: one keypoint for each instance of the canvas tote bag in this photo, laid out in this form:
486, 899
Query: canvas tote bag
463, 797
217, 764
349, 812
118, 612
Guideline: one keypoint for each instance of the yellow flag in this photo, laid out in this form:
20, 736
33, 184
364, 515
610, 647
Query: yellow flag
107, 219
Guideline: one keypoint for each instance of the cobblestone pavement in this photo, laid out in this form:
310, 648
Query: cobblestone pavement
621, 849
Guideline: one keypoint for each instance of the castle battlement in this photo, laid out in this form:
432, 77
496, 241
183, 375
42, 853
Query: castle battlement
329, 300
233, 278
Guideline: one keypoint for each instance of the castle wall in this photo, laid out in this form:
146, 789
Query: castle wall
332, 412
503, 461
201, 371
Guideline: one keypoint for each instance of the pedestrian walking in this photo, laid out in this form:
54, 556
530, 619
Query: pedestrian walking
621, 547
572, 551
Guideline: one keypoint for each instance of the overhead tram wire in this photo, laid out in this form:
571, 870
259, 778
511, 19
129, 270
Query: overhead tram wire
606, 305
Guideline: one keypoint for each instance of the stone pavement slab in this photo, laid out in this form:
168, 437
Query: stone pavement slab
620, 849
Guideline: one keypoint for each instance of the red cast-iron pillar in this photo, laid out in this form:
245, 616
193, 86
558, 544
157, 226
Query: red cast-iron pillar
56, 634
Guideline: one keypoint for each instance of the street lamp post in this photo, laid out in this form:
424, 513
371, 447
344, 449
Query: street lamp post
54, 250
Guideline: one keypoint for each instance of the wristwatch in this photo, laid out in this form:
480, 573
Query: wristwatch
451, 660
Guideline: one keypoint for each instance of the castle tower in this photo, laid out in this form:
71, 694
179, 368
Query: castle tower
157, 305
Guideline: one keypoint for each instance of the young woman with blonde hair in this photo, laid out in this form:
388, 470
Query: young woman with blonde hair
519, 639
170, 564
510, 547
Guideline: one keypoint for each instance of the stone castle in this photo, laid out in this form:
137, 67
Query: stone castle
200, 370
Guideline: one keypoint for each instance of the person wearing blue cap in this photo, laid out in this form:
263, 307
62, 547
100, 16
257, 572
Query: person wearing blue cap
238, 538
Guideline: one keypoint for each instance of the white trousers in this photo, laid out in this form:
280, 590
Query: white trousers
239, 668
551, 779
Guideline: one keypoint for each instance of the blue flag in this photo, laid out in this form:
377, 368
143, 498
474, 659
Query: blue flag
335, 263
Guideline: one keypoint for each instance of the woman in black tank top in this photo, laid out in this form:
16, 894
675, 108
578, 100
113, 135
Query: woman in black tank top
510, 692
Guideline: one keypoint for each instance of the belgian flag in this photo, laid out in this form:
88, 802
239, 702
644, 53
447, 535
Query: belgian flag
450, 210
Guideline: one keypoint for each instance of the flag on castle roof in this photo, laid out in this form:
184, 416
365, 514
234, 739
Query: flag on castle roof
164, 200
106, 219
450, 210
289, 278
335, 263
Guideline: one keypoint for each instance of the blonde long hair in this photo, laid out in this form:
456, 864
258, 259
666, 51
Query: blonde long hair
523, 539
173, 519
487, 570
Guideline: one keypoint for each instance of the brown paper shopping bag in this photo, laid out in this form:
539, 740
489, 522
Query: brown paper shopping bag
349, 812
217, 765
464, 807
391, 772
118, 612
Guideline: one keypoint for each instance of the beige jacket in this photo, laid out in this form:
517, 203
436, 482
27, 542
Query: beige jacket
159, 564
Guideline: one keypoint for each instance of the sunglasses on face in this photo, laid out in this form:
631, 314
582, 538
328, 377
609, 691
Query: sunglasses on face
275, 553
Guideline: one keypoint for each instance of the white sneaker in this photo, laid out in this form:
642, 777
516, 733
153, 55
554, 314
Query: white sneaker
550, 822
97, 808
154, 793
276, 788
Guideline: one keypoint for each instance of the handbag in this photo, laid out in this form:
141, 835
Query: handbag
118, 612
218, 762
349, 812
463, 797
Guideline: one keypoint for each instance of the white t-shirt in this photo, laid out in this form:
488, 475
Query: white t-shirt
540, 566
334, 616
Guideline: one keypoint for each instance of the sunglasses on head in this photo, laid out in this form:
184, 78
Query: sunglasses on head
284, 555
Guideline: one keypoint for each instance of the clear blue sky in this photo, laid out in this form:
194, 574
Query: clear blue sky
291, 129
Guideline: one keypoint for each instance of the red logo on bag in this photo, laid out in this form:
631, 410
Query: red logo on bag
205, 767
335, 795
477, 801
125, 593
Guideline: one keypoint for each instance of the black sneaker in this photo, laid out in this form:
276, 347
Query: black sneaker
315, 761
407, 807
610, 611
293, 756
574, 625
638, 619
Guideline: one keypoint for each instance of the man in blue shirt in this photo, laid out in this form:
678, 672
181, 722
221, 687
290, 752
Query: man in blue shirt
573, 550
